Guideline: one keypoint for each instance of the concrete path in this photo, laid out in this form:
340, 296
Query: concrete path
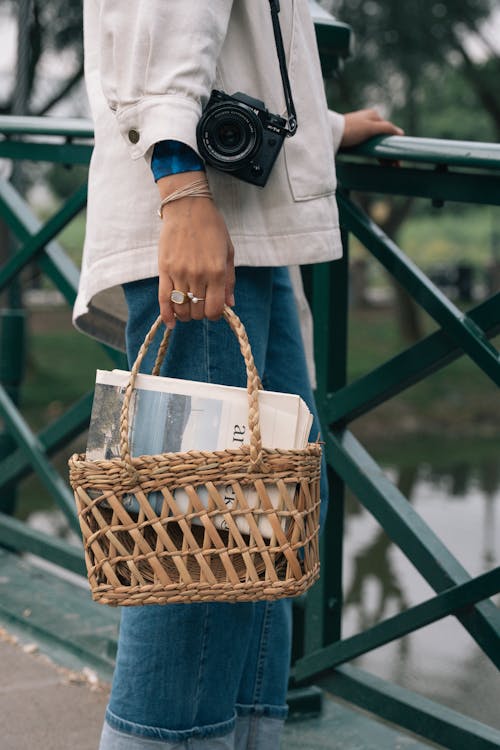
45, 707
57, 650
48, 707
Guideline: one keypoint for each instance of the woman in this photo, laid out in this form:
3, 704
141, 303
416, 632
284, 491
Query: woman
204, 676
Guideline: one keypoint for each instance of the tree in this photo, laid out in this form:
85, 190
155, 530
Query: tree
412, 60
399, 46
53, 28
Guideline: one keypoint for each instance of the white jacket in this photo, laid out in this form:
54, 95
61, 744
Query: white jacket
150, 66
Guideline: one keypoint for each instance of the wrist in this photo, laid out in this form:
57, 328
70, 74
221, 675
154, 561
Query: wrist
197, 188
167, 185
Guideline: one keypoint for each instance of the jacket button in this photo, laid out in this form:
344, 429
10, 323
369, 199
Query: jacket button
133, 136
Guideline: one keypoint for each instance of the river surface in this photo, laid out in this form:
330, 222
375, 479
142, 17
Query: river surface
455, 487
457, 493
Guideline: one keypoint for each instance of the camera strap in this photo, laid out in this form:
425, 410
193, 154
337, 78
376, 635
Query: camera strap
287, 89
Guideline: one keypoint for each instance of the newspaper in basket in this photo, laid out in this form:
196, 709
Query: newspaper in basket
159, 552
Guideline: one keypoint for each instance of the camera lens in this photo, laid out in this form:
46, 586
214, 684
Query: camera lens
231, 134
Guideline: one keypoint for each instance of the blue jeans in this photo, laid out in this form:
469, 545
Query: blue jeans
211, 676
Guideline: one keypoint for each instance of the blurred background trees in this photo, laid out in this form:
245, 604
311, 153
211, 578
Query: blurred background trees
431, 66
50, 54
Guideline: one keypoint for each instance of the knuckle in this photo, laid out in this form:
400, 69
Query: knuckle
219, 274
197, 276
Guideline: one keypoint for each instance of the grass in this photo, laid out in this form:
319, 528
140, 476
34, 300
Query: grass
459, 399
441, 236
60, 369
437, 239
71, 238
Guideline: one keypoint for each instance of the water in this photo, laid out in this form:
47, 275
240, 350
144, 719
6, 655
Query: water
457, 493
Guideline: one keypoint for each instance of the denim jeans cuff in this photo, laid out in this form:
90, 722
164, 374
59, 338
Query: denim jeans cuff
170, 735
272, 712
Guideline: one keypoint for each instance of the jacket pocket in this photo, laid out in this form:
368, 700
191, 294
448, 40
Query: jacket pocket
309, 153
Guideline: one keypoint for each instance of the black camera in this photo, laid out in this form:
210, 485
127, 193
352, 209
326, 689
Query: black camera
237, 134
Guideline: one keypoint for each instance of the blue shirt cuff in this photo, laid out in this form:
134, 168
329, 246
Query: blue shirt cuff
174, 157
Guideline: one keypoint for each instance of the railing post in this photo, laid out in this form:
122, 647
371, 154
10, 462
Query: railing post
12, 361
334, 343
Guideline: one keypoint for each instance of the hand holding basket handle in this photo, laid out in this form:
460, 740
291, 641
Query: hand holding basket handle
150, 556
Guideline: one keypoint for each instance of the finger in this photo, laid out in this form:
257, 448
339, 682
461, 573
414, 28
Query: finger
214, 300
393, 129
230, 277
384, 127
166, 307
197, 309
182, 311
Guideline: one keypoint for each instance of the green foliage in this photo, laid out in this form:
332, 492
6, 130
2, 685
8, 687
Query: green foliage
449, 108
64, 180
58, 22
62, 24
53, 26
456, 400
71, 238
61, 369
451, 235
411, 61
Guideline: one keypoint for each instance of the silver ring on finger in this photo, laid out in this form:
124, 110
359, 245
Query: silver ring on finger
194, 298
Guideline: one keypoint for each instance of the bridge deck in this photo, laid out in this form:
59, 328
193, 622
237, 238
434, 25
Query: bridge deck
55, 703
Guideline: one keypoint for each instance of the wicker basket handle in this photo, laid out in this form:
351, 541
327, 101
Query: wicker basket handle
253, 386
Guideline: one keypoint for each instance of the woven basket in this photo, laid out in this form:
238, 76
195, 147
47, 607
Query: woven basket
156, 558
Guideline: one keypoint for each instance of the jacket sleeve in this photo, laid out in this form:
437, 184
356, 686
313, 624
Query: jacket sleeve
158, 64
174, 157
337, 123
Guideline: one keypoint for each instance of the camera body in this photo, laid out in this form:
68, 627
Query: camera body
238, 135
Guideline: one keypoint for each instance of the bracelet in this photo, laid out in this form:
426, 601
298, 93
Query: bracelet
196, 189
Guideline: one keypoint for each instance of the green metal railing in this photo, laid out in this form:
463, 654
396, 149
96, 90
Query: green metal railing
438, 170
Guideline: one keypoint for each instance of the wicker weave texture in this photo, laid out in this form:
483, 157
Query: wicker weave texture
145, 557
209, 551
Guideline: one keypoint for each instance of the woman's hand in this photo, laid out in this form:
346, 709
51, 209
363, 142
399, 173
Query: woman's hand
364, 124
195, 255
